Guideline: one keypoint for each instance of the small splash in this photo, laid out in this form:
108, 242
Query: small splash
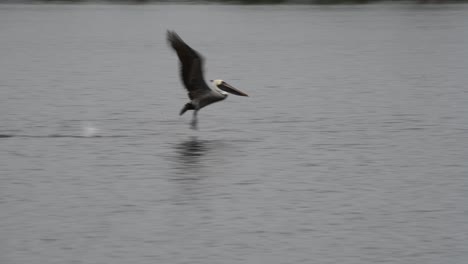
89, 130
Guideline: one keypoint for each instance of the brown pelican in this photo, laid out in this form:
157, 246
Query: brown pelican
191, 68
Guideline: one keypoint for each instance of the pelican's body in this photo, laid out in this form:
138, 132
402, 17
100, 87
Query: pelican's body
206, 97
199, 92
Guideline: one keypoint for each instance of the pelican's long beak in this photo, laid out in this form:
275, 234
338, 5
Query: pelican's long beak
228, 88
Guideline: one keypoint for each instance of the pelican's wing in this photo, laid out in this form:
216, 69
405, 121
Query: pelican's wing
191, 65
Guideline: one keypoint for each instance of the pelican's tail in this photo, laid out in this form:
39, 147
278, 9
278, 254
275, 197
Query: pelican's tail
187, 106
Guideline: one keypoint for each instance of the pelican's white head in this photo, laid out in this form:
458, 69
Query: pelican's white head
224, 88
216, 84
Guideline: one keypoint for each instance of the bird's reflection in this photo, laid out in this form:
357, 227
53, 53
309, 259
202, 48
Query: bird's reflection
190, 155
192, 148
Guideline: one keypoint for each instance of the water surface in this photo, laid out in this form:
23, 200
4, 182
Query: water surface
351, 148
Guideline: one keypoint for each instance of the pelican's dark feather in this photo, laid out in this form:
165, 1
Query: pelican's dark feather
191, 65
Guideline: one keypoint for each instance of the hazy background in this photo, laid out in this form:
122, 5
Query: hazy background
254, 2
352, 147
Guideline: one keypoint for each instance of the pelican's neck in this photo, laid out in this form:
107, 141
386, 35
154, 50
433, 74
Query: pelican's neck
216, 89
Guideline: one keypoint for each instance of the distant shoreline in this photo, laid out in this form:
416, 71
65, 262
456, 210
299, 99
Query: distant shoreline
243, 2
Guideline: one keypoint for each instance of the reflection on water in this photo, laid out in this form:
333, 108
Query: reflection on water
189, 158
197, 158
191, 149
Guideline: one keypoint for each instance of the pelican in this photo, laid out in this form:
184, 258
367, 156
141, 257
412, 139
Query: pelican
191, 69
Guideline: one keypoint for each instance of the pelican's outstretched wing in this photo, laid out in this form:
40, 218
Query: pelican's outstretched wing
191, 65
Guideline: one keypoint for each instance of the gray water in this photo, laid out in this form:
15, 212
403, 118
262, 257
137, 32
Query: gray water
352, 147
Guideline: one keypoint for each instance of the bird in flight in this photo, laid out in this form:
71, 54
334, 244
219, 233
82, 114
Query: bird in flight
191, 69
